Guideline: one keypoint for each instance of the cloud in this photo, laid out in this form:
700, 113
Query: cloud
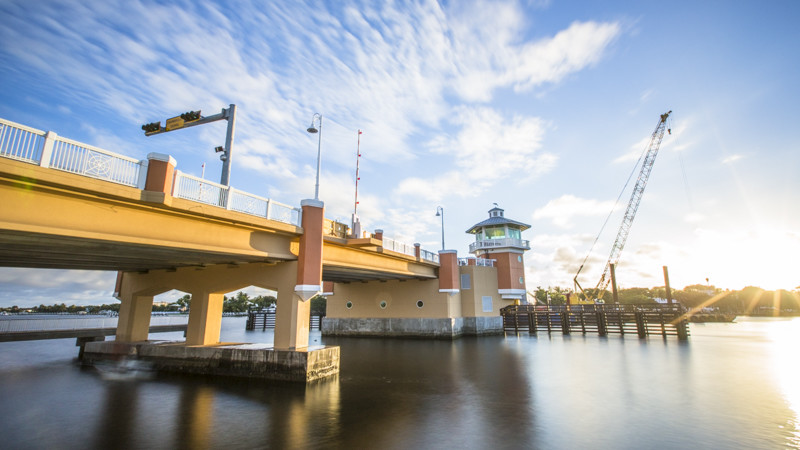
401, 71
694, 217
731, 159
486, 149
561, 211
25, 287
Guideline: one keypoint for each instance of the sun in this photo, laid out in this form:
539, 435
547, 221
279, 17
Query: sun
733, 259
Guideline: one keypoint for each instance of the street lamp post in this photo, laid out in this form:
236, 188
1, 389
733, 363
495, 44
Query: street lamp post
440, 212
313, 130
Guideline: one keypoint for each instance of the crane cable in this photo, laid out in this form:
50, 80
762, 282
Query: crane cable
613, 208
683, 170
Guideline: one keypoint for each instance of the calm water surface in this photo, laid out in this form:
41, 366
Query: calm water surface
731, 386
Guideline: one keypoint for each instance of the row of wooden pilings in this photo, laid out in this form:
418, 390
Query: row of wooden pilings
643, 320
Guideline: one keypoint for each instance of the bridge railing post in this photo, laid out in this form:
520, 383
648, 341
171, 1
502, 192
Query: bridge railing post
47, 149
229, 198
142, 181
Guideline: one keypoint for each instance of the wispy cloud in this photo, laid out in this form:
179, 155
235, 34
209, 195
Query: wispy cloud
561, 211
731, 159
402, 72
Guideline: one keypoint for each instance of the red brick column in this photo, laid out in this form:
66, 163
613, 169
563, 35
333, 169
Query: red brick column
160, 173
309, 261
448, 271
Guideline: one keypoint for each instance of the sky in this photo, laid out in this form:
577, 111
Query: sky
542, 107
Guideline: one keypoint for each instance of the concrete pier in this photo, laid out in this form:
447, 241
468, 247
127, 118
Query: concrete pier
259, 361
436, 328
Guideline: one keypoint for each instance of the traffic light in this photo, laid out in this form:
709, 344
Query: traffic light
151, 127
191, 116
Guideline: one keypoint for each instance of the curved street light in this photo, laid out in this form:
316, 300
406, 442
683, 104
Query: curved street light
311, 129
440, 212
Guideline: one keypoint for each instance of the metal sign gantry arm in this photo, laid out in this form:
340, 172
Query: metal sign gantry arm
630, 211
193, 118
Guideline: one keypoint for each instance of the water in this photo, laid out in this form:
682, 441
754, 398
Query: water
731, 386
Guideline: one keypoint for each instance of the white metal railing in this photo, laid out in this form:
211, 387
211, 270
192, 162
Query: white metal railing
83, 159
494, 243
196, 189
480, 262
429, 256
190, 187
20, 142
48, 150
399, 247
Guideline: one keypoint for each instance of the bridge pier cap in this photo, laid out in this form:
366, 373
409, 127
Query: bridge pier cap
309, 267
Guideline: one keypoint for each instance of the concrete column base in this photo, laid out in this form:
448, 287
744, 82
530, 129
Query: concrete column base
442, 328
237, 360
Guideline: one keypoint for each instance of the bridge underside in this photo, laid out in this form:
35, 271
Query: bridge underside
346, 262
353, 275
43, 251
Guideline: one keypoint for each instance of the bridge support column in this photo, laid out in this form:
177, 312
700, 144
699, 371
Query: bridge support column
309, 259
134, 318
292, 319
205, 319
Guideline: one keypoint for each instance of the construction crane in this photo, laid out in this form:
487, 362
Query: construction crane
630, 213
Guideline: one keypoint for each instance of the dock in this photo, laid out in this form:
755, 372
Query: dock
641, 320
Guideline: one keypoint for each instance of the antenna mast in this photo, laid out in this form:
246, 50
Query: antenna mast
356, 224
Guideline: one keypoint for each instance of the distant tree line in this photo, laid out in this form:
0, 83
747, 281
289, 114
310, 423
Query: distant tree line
750, 300
240, 302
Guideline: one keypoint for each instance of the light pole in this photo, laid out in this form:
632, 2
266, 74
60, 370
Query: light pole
440, 212
313, 130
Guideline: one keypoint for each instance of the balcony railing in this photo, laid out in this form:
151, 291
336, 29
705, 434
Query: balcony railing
495, 243
480, 262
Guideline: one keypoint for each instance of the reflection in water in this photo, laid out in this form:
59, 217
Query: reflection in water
785, 337
195, 416
118, 421
731, 386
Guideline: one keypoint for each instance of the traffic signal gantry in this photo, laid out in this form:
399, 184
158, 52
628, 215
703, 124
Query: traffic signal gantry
194, 118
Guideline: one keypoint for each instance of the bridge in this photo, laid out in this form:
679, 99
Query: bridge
69, 205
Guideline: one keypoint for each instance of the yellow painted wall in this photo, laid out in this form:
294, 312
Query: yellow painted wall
401, 299
483, 282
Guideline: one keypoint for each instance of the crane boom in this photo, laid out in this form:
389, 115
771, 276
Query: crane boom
630, 211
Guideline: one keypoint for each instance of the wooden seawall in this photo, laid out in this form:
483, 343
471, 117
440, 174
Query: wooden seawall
643, 320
